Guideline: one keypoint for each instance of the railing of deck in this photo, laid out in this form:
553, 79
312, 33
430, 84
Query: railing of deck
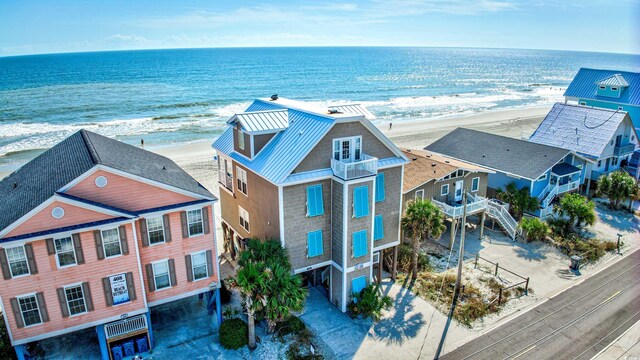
125, 326
367, 166
623, 150
474, 205
500, 212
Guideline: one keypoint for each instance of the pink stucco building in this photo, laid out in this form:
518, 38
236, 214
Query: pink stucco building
95, 232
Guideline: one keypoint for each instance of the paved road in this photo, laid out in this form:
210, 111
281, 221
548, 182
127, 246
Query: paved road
576, 324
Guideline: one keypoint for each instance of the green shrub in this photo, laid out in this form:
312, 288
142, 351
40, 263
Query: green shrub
559, 226
292, 325
609, 246
233, 334
534, 228
369, 303
405, 254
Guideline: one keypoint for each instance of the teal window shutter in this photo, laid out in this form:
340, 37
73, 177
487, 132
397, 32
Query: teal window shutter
361, 201
314, 243
380, 187
359, 243
315, 205
378, 228
358, 284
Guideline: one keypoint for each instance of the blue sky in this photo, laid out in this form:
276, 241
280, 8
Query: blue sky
49, 26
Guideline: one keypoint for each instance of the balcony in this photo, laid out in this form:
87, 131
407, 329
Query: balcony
623, 150
366, 166
455, 210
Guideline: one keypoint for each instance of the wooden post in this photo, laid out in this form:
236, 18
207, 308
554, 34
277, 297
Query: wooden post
526, 287
394, 271
476, 264
482, 219
500, 297
496, 274
453, 233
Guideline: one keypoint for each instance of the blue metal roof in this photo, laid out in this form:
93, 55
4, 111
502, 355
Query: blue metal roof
584, 129
259, 105
584, 86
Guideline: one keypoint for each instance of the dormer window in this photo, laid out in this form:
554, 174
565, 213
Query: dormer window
240, 140
614, 89
602, 87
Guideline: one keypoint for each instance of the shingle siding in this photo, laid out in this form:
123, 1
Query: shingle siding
337, 221
389, 208
336, 287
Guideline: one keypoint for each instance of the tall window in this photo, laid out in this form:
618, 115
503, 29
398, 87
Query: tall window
242, 180
161, 275
75, 299
194, 222
240, 140
244, 218
348, 149
361, 201
444, 190
315, 205
475, 184
29, 310
199, 265
155, 230
111, 242
65, 252
17, 261
419, 195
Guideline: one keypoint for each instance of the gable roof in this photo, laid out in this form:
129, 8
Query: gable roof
583, 85
40, 179
614, 80
257, 122
512, 156
425, 166
583, 129
307, 126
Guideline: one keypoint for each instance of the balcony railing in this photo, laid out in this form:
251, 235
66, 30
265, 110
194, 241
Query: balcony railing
624, 150
366, 166
125, 326
455, 211
568, 186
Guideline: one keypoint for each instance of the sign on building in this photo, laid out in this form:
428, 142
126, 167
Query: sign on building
119, 288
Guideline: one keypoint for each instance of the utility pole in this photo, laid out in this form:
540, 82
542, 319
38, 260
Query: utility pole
458, 279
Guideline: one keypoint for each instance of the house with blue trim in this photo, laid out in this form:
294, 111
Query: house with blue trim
323, 180
547, 171
609, 89
606, 138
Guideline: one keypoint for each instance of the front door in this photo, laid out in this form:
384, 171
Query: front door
606, 164
458, 194
347, 149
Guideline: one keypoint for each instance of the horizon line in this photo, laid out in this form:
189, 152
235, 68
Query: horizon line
313, 46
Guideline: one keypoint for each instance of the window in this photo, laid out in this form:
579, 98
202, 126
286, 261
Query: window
543, 177
614, 161
358, 284
620, 108
161, 275
357, 148
315, 206
475, 184
360, 201
380, 187
314, 243
194, 222
614, 89
155, 230
240, 139
336, 149
419, 194
359, 243
111, 242
444, 190
17, 259
199, 265
460, 173
242, 180
30, 310
347, 149
75, 300
602, 87
378, 227
65, 253
244, 218
583, 103
599, 163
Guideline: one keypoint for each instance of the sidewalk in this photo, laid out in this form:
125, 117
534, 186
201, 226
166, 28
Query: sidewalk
626, 346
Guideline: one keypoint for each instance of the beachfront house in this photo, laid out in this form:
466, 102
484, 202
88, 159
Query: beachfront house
547, 171
609, 89
323, 180
444, 180
93, 234
607, 138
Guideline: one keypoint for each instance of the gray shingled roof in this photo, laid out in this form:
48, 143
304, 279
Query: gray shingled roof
583, 129
39, 179
518, 157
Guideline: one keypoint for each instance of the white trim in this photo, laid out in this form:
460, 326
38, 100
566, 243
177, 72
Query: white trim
73, 248
35, 296
26, 259
313, 267
104, 249
177, 209
215, 253
135, 241
345, 220
68, 232
472, 180
66, 299
155, 285
361, 267
238, 178
442, 188
373, 223
352, 142
75, 328
164, 234
206, 266
251, 145
179, 296
281, 213
421, 191
390, 165
401, 203
199, 208
242, 211
386, 246
6, 321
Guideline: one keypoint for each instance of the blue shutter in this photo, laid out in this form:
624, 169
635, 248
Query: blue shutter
378, 228
380, 187
314, 243
359, 243
358, 284
361, 201
315, 205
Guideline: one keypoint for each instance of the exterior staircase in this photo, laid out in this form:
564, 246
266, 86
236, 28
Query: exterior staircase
500, 212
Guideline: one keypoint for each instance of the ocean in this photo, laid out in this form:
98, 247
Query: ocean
176, 96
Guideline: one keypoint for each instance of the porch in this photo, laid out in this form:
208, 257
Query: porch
564, 178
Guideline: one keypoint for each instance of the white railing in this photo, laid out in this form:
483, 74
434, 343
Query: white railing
367, 166
500, 212
550, 196
546, 211
568, 186
623, 150
125, 326
474, 205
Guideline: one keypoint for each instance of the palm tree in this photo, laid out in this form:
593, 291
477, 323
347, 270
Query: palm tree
519, 199
250, 281
422, 219
577, 208
617, 186
285, 294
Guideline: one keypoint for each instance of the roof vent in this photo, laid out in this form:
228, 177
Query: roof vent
408, 150
274, 97
15, 185
446, 161
164, 167
433, 164
482, 155
507, 149
414, 159
334, 111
